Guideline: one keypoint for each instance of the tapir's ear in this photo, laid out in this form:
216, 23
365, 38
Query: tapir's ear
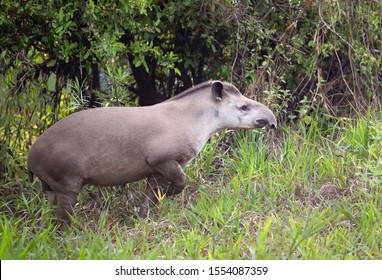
217, 90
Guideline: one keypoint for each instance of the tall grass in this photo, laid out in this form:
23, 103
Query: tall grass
304, 192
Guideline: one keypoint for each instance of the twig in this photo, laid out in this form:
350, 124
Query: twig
330, 28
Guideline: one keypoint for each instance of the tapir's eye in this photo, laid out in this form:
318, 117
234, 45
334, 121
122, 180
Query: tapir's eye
244, 108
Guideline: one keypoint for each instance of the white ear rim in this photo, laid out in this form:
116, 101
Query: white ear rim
217, 90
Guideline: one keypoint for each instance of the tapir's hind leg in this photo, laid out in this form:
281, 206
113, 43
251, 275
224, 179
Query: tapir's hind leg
62, 199
64, 206
49, 192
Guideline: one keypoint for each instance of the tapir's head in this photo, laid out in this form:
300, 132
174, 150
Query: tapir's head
236, 111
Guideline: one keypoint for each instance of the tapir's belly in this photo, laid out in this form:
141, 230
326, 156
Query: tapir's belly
118, 172
112, 165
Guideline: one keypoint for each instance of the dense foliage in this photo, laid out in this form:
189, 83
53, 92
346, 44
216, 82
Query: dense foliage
296, 50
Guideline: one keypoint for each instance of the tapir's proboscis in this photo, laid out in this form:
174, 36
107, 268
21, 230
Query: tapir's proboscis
118, 145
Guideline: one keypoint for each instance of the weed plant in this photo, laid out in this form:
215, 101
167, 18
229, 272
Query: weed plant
309, 191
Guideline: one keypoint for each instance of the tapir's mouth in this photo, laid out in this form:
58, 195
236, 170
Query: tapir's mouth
260, 123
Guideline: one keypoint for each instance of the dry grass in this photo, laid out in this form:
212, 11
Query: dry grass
299, 194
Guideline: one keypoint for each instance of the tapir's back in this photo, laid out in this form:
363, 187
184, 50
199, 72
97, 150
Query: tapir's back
95, 145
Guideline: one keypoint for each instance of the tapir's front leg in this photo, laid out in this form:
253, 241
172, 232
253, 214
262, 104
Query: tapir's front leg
170, 176
153, 186
173, 172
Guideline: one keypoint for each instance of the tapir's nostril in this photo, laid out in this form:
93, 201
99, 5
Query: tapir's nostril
273, 126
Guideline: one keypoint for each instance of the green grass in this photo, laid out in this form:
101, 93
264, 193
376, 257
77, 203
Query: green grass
303, 192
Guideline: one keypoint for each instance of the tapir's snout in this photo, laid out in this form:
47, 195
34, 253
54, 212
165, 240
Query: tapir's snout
267, 120
266, 123
272, 122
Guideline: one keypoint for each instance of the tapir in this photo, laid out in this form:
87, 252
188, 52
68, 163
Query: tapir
117, 145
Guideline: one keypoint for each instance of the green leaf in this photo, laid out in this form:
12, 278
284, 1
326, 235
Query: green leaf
51, 84
39, 58
51, 63
307, 120
137, 62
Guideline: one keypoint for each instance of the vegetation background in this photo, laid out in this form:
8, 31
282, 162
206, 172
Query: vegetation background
311, 190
